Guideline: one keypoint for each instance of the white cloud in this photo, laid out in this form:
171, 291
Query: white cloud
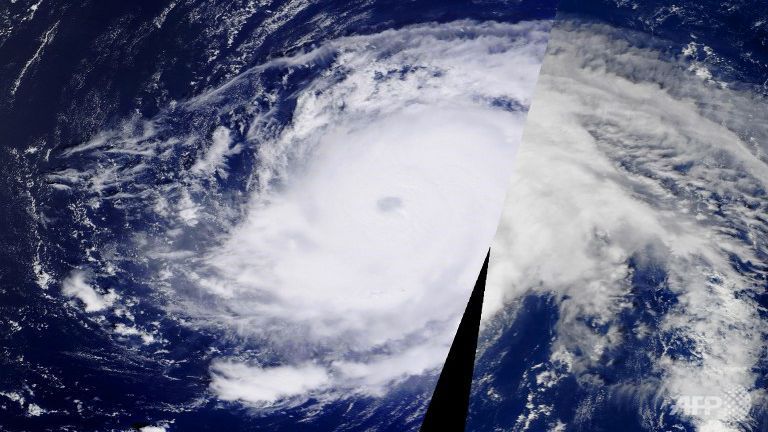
324, 248
376, 375
265, 386
153, 429
213, 160
623, 157
34, 410
124, 330
76, 285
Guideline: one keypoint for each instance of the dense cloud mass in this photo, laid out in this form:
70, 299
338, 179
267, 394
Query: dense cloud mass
635, 162
370, 246
343, 264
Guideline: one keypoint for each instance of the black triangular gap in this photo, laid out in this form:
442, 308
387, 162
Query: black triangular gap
447, 411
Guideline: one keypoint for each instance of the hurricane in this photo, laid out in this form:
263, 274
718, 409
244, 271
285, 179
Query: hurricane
315, 221
270, 215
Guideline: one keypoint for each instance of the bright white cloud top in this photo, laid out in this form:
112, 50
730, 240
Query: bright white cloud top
343, 266
390, 192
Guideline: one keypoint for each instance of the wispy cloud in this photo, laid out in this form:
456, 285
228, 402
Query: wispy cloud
265, 386
624, 161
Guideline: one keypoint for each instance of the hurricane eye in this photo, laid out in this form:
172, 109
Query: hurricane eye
389, 204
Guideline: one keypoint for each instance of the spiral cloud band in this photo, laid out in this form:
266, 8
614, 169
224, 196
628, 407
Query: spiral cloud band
348, 253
